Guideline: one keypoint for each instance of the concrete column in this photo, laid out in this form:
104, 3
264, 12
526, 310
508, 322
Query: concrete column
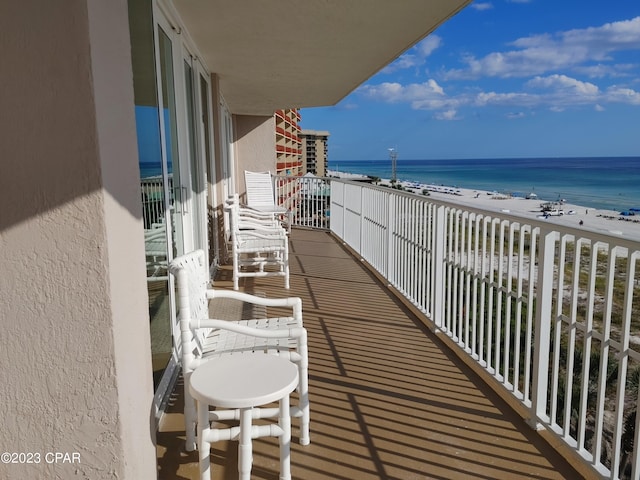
74, 329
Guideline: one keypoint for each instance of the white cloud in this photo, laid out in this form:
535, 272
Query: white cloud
447, 115
485, 99
564, 84
599, 108
421, 95
416, 56
601, 70
610, 37
622, 95
480, 6
564, 91
588, 52
515, 115
556, 92
538, 54
426, 46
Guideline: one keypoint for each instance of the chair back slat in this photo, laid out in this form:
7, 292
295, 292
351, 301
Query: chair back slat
259, 189
192, 277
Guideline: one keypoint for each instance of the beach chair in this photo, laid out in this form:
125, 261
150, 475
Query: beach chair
261, 197
203, 338
259, 246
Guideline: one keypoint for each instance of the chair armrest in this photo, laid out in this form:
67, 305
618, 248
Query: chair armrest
266, 234
294, 332
271, 209
294, 302
251, 224
249, 212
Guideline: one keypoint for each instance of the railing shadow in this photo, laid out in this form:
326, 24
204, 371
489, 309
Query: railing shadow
389, 400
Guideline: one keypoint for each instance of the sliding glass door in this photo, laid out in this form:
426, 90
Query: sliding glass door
173, 120
205, 123
197, 151
154, 92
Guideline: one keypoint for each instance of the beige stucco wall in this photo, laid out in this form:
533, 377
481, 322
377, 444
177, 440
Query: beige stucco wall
255, 146
75, 355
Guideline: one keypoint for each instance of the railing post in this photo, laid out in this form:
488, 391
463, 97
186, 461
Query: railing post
440, 234
344, 212
362, 245
390, 249
542, 329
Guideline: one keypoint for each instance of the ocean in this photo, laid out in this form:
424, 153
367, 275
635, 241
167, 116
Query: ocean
151, 169
610, 183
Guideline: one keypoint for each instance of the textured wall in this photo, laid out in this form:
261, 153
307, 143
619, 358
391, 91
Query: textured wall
255, 146
74, 354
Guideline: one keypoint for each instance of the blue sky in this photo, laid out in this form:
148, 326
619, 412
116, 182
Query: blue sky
503, 78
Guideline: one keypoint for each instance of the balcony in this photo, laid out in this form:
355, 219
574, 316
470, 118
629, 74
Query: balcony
447, 342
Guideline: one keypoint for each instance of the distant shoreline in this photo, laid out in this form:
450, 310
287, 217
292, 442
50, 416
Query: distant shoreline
608, 183
598, 220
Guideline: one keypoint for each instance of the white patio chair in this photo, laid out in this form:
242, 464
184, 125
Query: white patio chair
261, 196
203, 339
248, 218
155, 245
249, 215
259, 247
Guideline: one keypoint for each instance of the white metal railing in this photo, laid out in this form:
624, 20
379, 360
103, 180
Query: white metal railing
153, 208
307, 197
551, 312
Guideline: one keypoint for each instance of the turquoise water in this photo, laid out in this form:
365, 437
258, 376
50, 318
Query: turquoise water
607, 183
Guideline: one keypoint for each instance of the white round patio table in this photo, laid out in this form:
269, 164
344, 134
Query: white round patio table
242, 382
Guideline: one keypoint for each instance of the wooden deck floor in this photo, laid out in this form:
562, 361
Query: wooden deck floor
388, 399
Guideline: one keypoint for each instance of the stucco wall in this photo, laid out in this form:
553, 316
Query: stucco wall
255, 146
75, 356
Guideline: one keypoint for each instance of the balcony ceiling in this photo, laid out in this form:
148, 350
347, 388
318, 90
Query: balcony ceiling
286, 53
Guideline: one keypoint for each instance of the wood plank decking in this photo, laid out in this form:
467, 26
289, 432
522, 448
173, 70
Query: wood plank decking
389, 400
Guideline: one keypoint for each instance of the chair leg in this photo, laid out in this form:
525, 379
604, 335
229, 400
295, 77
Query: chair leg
189, 418
236, 269
245, 451
285, 439
303, 393
204, 446
286, 266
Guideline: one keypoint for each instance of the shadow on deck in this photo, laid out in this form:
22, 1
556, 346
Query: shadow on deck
388, 399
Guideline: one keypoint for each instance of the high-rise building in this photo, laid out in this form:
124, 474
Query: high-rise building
314, 152
288, 143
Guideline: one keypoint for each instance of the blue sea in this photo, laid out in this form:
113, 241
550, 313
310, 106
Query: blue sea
611, 183
150, 169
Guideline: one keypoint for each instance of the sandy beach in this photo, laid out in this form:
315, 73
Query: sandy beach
602, 221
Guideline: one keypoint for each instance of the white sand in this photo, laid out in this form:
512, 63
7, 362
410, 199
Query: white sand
601, 221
